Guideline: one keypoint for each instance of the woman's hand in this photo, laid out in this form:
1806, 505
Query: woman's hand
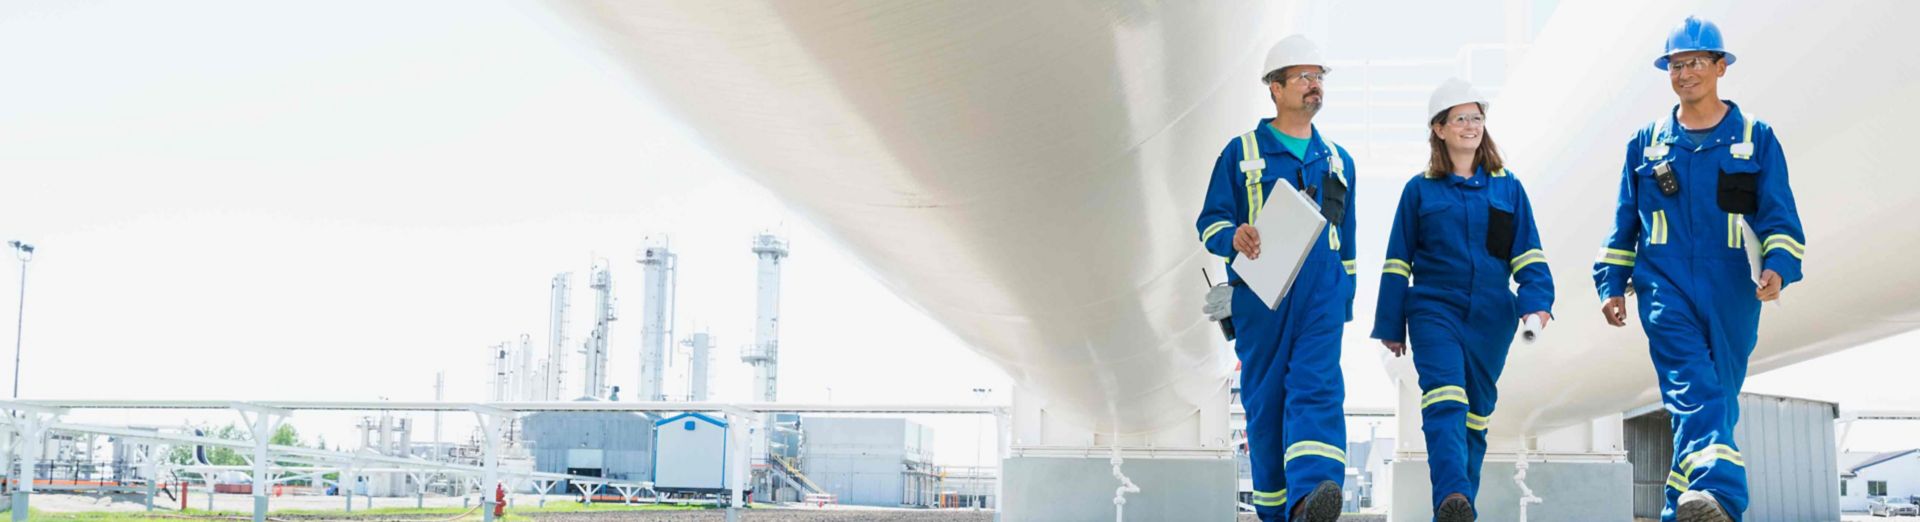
1399, 348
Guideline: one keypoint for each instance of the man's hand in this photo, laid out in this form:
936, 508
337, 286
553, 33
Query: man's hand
1769, 286
1247, 240
1398, 348
1615, 309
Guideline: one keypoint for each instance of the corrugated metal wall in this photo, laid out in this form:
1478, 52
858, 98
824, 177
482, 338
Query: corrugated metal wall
627, 439
863, 460
1796, 477
1788, 445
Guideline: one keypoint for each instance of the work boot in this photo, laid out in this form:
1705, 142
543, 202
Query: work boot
1322, 505
1455, 508
1700, 506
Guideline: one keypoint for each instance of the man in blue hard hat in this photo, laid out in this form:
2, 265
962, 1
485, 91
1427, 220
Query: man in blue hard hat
1290, 377
1696, 185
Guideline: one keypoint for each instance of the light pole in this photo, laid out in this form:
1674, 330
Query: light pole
979, 429
25, 253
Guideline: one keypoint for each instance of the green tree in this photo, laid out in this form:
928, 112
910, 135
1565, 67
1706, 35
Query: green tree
225, 456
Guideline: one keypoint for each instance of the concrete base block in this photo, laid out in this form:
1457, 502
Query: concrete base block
1081, 489
1568, 491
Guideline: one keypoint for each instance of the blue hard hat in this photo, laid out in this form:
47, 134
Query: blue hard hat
1693, 34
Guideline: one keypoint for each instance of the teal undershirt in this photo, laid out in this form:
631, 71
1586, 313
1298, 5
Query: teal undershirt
1297, 146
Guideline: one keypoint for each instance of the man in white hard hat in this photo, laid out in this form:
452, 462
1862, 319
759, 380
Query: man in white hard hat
1290, 356
1697, 183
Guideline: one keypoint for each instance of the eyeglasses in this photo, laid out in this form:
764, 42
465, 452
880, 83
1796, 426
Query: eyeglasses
1310, 77
1697, 63
1468, 120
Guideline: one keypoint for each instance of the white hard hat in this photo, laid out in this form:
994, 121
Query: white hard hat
1453, 92
1294, 50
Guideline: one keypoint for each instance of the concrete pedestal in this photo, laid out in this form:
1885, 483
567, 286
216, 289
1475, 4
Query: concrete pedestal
1081, 489
1572, 490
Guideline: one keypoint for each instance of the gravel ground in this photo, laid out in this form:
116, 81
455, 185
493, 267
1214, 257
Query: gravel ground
783, 515
832, 516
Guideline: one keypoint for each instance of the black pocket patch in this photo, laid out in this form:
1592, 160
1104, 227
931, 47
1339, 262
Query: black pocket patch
1739, 193
1499, 233
1333, 202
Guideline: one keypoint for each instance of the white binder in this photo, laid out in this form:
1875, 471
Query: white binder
1289, 225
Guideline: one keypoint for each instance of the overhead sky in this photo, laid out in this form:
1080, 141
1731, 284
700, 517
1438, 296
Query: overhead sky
336, 201
243, 200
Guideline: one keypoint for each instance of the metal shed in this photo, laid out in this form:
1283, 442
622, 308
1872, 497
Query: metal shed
872, 461
615, 445
1788, 446
693, 454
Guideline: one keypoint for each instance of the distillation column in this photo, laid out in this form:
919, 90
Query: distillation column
764, 355
700, 362
660, 265
554, 374
595, 383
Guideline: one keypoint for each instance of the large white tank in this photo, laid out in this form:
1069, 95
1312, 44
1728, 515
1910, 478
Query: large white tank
1029, 172
1834, 82
1021, 171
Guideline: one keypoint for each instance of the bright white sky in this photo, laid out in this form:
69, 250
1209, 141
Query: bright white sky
336, 200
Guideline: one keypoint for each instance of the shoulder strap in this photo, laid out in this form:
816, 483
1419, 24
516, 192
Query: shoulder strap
1744, 148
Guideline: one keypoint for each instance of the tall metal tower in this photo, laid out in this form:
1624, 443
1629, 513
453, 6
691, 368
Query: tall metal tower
764, 355
501, 382
554, 374
595, 384
522, 372
662, 274
700, 359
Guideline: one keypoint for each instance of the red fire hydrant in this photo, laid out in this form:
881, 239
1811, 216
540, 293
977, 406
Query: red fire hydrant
499, 500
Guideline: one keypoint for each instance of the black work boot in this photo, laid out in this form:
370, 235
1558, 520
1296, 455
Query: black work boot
1322, 505
1700, 506
1455, 508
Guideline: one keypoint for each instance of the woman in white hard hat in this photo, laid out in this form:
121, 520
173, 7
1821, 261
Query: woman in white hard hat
1463, 230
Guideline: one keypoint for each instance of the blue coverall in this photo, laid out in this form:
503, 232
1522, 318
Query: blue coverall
1290, 377
1685, 256
1458, 241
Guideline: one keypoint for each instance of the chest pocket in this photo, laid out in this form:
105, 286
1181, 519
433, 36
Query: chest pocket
1333, 197
1739, 190
1499, 229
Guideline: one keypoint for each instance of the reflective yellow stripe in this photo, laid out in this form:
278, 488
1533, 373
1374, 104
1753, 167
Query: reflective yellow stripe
1527, 258
1476, 422
1308, 448
1658, 234
1707, 456
1664, 227
1787, 243
1274, 498
1334, 163
1443, 394
1500, 174
1256, 195
1747, 137
1614, 256
1733, 231
1348, 264
1396, 266
1214, 229
1333, 238
1678, 482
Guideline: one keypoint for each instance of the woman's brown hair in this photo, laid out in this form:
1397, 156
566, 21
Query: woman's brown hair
1440, 163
